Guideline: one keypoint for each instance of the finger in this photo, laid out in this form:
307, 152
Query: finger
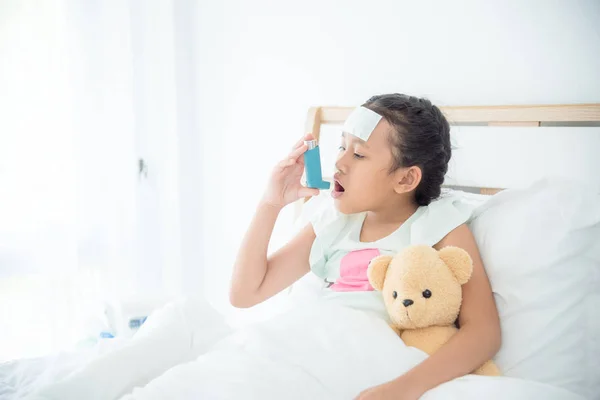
308, 192
301, 160
308, 136
293, 157
286, 163
298, 152
298, 143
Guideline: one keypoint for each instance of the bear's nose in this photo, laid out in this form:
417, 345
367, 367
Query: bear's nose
407, 302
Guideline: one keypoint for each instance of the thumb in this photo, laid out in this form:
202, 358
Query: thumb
308, 192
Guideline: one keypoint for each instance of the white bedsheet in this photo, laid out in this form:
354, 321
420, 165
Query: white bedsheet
19, 378
315, 351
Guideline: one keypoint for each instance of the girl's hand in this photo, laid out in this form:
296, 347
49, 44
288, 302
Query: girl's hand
398, 389
284, 185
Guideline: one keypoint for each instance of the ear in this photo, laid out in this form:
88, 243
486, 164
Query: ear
377, 270
407, 179
459, 262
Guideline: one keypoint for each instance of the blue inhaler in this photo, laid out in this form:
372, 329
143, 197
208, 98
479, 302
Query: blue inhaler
312, 166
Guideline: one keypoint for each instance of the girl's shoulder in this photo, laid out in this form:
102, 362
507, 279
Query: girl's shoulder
440, 217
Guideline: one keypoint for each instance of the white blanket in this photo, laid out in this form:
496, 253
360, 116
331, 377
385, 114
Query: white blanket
315, 351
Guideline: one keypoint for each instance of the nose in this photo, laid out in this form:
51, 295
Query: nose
341, 163
340, 167
407, 302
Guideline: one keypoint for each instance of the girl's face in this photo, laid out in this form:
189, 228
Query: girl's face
363, 181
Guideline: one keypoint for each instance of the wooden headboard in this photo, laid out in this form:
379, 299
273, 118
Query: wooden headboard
508, 116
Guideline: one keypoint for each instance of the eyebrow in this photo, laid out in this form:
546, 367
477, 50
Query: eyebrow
360, 141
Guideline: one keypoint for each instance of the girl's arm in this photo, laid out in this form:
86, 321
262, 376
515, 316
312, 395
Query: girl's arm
478, 338
256, 277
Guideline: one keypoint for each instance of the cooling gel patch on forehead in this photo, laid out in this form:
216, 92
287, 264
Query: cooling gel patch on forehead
361, 123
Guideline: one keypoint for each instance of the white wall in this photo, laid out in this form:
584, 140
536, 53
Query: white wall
263, 63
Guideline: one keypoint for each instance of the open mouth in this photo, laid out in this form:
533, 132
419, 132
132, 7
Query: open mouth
338, 190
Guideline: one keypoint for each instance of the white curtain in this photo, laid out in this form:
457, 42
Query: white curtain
97, 149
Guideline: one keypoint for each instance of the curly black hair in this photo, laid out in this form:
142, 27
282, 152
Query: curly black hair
421, 137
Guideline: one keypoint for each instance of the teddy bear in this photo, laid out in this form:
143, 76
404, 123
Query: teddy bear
422, 291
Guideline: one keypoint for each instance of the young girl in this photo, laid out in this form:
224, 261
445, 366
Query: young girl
386, 197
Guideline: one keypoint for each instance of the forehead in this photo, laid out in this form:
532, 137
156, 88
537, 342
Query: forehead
378, 139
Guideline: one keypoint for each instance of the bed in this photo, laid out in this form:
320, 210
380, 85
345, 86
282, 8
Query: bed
544, 270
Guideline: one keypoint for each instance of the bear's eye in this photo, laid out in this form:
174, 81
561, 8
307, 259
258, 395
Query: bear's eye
394, 294
427, 293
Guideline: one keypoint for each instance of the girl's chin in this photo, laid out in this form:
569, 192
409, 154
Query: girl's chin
341, 207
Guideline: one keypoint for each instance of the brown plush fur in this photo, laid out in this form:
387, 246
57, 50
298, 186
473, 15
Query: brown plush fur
427, 323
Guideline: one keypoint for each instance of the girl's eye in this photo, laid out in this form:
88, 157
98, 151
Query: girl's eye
356, 155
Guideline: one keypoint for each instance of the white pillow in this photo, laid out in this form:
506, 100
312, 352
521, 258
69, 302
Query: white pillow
540, 249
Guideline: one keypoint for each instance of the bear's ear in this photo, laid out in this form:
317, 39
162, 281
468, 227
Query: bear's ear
459, 262
377, 270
